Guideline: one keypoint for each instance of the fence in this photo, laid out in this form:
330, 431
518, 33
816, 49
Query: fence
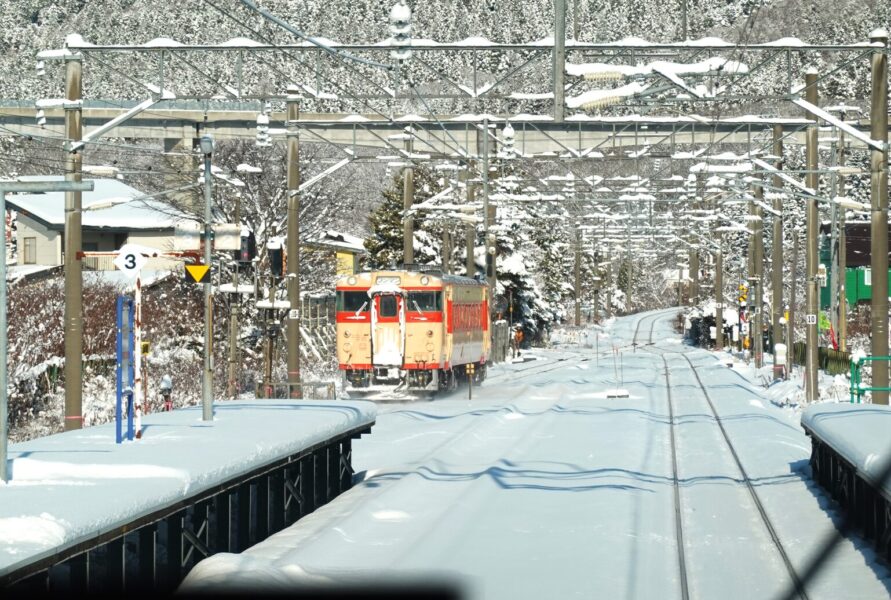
309, 390
834, 362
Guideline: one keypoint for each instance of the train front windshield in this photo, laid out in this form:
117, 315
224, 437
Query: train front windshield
425, 301
352, 301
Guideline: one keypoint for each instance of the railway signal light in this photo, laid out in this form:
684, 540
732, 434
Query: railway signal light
276, 257
248, 248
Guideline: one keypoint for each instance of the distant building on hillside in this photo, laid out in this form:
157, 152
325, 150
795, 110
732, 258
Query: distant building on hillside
40, 224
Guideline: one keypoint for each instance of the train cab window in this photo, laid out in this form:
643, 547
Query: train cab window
388, 306
425, 301
353, 301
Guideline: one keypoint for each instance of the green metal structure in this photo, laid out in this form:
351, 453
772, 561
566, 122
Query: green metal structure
857, 387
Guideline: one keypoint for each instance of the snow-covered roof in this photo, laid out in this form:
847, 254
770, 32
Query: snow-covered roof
140, 214
340, 241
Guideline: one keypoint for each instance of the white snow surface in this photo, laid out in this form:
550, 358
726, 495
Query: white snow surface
543, 486
70, 487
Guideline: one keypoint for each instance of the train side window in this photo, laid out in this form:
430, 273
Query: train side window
388, 306
352, 301
425, 301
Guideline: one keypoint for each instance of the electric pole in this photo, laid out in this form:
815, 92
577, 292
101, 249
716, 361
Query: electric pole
470, 230
74, 308
578, 276
235, 310
408, 194
842, 251
719, 292
559, 60
878, 118
293, 254
777, 249
758, 300
811, 248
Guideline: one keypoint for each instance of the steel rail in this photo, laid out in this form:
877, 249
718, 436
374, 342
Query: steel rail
799, 585
678, 518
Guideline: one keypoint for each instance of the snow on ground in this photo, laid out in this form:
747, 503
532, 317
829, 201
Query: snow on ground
544, 487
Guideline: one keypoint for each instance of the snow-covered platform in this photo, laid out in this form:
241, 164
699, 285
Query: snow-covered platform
544, 486
851, 459
83, 513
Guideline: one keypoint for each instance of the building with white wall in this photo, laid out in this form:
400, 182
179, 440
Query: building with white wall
113, 222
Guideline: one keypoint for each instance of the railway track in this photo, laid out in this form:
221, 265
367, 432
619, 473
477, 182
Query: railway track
771, 530
678, 514
655, 316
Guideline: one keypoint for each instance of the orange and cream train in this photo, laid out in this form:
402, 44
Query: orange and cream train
411, 331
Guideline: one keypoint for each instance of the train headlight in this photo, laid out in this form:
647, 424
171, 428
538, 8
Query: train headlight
351, 281
429, 347
429, 333
346, 334
425, 280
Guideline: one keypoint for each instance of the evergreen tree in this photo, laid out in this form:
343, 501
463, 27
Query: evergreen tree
385, 244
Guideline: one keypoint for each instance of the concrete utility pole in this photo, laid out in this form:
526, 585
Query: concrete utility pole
470, 231
74, 309
758, 300
578, 276
878, 118
776, 284
694, 253
487, 224
790, 324
234, 315
446, 249
749, 277
207, 148
293, 333
408, 195
32, 187
559, 60
811, 249
842, 252
719, 292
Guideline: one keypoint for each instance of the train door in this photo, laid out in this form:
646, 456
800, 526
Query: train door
388, 330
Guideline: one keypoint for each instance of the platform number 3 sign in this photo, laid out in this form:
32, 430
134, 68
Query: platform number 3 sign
129, 261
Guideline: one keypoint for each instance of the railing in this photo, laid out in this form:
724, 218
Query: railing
98, 263
857, 387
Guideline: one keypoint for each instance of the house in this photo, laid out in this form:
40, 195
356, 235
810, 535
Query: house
858, 276
347, 249
112, 222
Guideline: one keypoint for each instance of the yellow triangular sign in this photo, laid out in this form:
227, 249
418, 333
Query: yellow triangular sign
198, 273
